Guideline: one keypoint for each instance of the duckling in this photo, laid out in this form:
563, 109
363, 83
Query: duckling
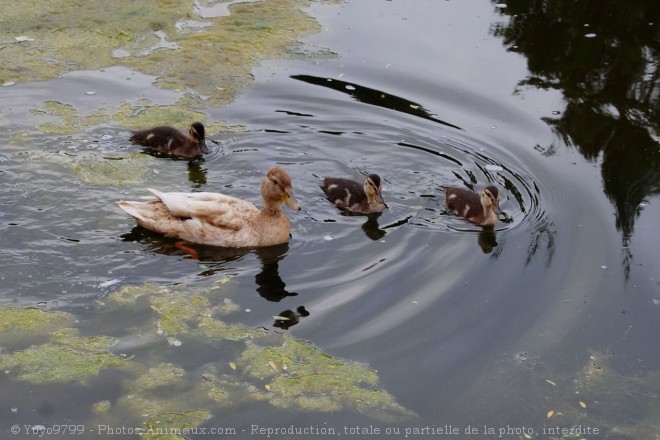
218, 219
353, 196
168, 141
482, 209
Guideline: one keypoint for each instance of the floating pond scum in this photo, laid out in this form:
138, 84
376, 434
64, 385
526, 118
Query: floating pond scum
210, 62
264, 366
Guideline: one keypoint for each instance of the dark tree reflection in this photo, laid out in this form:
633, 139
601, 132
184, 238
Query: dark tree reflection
604, 56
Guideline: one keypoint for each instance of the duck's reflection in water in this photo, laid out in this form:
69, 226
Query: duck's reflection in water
197, 174
372, 229
487, 240
269, 283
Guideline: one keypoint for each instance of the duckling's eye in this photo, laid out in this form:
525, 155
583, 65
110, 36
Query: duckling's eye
274, 181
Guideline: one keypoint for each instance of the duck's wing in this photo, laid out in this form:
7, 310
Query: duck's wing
216, 209
158, 137
344, 192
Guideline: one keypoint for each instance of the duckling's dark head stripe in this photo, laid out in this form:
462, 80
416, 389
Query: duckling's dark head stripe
492, 193
198, 128
375, 178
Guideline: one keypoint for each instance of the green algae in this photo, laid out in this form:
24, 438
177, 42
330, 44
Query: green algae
183, 311
94, 344
64, 119
142, 114
269, 367
50, 362
211, 64
120, 171
32, 319
161, 389
67, 358
131, 294
179, 313
622, 404
215, 329
174, 426
229, 390
301, 376
164, 375
592, 394
102, 407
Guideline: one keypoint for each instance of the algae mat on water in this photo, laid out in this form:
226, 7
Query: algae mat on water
259, 366
209, 58
67, 357
252, 365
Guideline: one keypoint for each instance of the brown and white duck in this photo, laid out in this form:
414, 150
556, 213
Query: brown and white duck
168, 141
354, 196
482, 209
217, 219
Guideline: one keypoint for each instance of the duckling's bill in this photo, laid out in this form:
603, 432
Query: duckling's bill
379, 199
497, 210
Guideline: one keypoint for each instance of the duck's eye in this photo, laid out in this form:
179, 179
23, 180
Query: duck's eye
274, 181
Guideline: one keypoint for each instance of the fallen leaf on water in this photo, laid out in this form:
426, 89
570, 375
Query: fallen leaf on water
267, 387
551, 382
582, 404
232, 365
272, 365
551, 413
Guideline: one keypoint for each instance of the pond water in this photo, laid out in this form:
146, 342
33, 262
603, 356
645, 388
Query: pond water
548, 320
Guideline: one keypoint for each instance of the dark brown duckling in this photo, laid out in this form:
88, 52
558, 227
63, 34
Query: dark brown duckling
168, 141
354, 196
482, 209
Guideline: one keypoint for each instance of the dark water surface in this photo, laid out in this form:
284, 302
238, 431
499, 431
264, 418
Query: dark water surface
552, 318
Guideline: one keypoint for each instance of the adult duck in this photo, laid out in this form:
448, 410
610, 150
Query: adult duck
217, 219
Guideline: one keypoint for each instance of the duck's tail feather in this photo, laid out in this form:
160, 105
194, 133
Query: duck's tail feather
135, 209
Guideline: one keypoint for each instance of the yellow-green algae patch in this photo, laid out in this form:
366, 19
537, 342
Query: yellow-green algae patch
64, 119
164, 375
229, 390
174, 426
182, 311
215, 329
114, 170
210, 63
102, 407
95, 344
161, 389
143, 114
119, 171
179, 312
301, 376
75, 359
129, 295
32, 319
271, 367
